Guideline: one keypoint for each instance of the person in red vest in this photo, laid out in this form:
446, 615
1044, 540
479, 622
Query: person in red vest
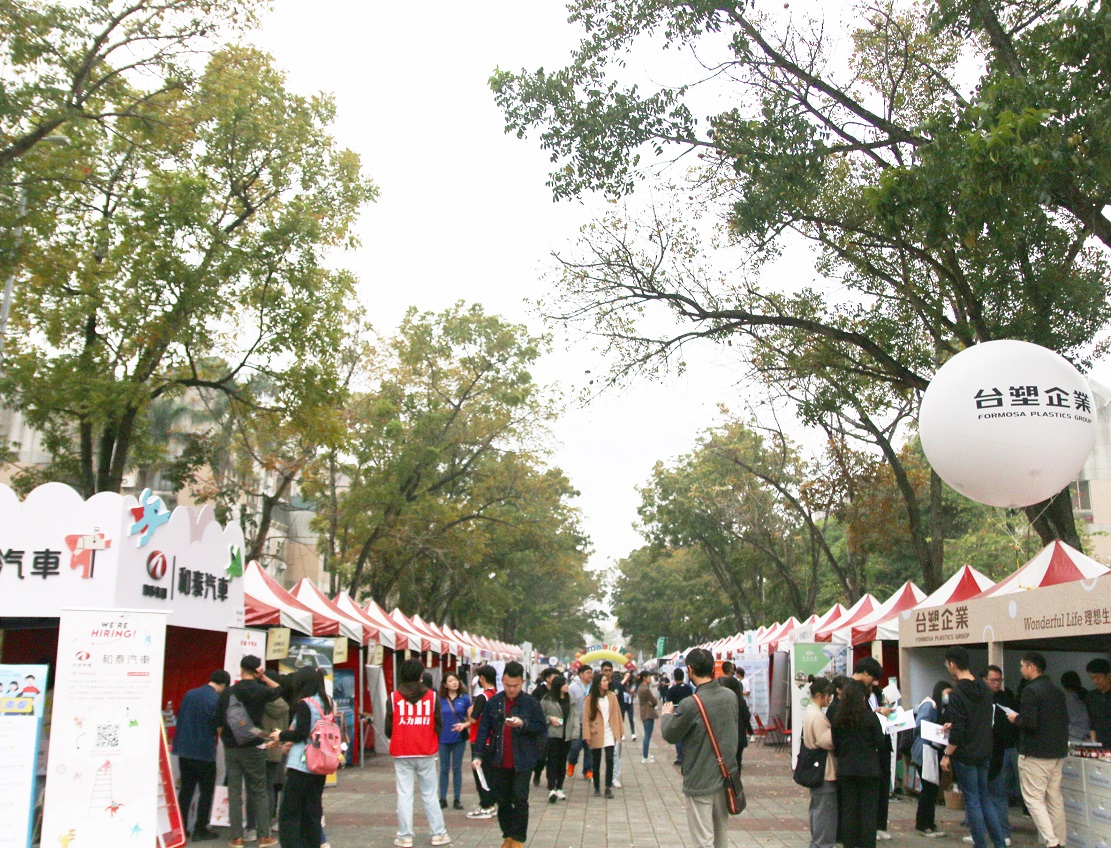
413, 727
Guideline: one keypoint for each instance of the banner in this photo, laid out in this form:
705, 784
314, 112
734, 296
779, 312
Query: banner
809, 659
241, 643
277, 643
756, 681
21, 715
106, 727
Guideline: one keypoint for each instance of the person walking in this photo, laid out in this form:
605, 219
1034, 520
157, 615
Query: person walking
628, 702
275, 716
486, 680
926, 756
744, 717
538, 693
246, 762
1080, 725
703, 784
679, 690
302, 805
508, 733
413, 725
455, 704
563, 727
602, 728
195, 746
578, 689
647, 701
968, 753
817, 734
1043, 744
859, 745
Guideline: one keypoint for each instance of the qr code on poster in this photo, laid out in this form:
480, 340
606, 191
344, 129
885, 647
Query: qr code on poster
107, 736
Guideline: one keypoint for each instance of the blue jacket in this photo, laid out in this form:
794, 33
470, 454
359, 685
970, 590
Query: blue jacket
526, 739
195, 736
927, 711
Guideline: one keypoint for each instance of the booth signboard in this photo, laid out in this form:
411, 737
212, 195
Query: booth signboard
22, 689
339, 650
817, 659
756, 681
1066, 609
277, 643
105, 729
117, 552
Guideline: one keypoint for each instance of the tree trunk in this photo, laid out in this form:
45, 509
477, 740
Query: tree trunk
1054, 519
935, 566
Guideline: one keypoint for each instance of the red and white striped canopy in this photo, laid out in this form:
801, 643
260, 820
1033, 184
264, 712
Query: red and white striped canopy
966, 583
884, 622
865, 606
1055, 563
265, 602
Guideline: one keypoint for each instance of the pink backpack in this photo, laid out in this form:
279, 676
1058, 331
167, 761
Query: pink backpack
323, 748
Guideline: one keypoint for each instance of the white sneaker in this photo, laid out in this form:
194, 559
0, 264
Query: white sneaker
441, 839
882, 834
250, 836
560, 795
617, 784
648, 759
403, 842
634, 736
483, 813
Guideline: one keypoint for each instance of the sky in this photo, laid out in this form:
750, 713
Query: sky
464, 213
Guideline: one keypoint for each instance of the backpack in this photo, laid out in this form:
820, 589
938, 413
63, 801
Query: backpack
323, 749
243, 729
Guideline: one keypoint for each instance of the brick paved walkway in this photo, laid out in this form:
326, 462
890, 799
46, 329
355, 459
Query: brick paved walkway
648, 811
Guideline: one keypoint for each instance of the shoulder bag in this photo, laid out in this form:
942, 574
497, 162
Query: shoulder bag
734, 789
810, 767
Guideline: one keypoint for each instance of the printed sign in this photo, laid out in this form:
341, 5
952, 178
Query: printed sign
22, 693
811, 659
105, 729
241, 643
277, 643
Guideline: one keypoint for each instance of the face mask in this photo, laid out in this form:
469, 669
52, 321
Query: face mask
945, 698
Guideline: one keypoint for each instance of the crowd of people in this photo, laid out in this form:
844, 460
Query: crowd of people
1002, 747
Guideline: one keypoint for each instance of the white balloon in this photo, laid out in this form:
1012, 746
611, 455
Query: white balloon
1008, 423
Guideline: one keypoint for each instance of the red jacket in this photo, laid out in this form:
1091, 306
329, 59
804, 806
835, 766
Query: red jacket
414, 730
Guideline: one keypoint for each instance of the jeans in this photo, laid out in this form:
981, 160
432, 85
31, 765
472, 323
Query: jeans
983, 820
649, 726
423, 771
196, 774
573, 755
451, 756
627, 711
511, 788
301, 811
617, 761
597, 753
999, 794
247, 764
557, 762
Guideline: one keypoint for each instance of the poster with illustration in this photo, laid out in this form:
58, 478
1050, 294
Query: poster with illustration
106, 728
817, 659
22, 696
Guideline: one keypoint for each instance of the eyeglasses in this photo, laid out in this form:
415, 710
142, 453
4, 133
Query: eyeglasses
994, 679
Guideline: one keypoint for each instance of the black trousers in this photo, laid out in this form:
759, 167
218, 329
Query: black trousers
860, 799
541, 759
196, 774
485, 796
885, 795
597, 753
510, 789
556, 762
927, 806
301, 810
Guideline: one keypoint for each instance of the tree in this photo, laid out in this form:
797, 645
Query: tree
190, 256
939, 220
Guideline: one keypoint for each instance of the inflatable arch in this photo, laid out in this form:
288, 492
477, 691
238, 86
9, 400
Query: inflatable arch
618, 660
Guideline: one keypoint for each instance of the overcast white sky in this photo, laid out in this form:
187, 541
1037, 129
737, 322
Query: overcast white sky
464, 212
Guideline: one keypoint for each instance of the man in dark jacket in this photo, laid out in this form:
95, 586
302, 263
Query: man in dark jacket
1043, 744
1003, 769
506, 750
675, 695
247, 761
968, 753
195, 746
703, 782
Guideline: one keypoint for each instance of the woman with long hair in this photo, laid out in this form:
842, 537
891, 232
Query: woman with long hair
1080, 726
563, 727
302, 805
602, 728
921, 751
454, 705
647, 700
627, 697
858, 741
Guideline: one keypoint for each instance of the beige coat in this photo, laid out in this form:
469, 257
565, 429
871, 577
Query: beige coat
816, 733
594, 732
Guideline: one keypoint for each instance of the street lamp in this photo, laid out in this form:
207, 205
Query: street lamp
17, 243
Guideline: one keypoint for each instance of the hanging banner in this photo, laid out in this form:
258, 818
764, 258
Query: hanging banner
171, 828
756, 681
102, 770
241, 643
22, 689
339, 650
809, 660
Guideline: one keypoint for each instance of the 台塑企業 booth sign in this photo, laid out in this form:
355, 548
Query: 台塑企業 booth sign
115, 552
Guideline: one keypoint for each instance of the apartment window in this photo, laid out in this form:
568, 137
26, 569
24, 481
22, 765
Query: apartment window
1081, 495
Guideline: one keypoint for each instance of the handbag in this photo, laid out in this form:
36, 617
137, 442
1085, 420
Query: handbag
810, 767
734, 789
